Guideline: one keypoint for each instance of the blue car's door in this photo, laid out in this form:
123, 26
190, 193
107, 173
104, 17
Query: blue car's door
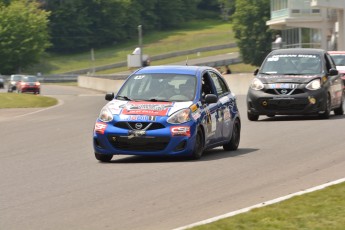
211, 121
225, 102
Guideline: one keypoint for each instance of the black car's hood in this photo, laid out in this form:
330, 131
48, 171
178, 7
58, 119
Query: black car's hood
278, 78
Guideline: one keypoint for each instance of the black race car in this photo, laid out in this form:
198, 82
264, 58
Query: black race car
296, 81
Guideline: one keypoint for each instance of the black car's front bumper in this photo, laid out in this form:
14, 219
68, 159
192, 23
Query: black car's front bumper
260, 102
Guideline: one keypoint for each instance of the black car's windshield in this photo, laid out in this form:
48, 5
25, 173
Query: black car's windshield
292, 64
159, 87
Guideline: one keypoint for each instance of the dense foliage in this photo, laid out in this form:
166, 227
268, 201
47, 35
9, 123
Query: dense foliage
78, 25
254, 38
23, 35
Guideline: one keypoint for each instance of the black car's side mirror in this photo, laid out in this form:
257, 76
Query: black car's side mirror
333, 72
211, 98
256, 72
109, 96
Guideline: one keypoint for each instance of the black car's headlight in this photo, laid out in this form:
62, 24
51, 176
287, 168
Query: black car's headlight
180, 117
314, 84
256, 84
105, 115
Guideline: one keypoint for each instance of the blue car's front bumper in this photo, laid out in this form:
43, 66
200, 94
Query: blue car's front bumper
156, 142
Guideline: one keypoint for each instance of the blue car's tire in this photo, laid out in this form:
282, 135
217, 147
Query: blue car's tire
235, 137
103, 157
199, 145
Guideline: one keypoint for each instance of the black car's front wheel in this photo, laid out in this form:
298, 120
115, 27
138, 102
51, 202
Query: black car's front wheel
103, 157
252, 117
235, 137
327, 112
340, 109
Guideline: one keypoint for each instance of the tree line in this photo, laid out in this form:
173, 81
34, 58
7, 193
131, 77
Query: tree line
28, 28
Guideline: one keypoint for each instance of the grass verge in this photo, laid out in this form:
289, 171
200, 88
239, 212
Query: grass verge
319, 210
14, 100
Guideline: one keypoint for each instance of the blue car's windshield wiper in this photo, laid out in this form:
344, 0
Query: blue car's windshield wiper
291, 74
155, 99
124, 97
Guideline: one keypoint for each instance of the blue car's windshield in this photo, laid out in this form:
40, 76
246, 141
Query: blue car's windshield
292, 64
159, 87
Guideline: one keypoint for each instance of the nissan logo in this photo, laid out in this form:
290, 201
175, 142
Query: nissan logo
283, 91
138, 125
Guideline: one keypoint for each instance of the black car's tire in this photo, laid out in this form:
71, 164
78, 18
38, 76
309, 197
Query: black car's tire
235, 138
327, 112
340, 110
103, 157
270, 115
252, 117
199, 145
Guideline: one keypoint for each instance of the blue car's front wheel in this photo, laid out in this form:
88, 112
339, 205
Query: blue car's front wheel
103, 157
199, 145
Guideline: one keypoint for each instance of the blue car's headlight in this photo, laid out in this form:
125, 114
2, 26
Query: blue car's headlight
105, 115
180, 117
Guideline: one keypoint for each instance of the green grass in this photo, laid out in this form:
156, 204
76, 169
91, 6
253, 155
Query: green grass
15, 100
193, 35
235, 68
320, 210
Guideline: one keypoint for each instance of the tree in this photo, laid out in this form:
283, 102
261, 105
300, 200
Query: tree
23, 35
69, 25
254, 38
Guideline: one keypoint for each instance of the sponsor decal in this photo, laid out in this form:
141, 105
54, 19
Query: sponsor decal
282, 86
116, 106
224, 100
180, 131
100, 127
196, 115
227, 114
147, 108
137, 118
194, 107
136, 133
276, 57
284, 76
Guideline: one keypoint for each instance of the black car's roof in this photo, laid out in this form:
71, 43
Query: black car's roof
298, 51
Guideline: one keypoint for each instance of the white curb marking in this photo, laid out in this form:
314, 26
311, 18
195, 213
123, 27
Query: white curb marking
279, 199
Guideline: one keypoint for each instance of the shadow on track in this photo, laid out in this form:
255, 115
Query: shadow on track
209, 155
298, 118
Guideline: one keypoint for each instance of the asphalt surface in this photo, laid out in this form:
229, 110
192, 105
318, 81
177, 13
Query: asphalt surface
51, 180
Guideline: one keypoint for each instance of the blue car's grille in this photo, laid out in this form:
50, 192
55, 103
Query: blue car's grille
143, 143
131, 125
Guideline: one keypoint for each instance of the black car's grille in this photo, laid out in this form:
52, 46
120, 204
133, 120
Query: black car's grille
142, 143
284, 91
296, 104
132, 125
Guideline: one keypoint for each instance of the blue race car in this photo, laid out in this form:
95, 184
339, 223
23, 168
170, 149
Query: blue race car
168, 111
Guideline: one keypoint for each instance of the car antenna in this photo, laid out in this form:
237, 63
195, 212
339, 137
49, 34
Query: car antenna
187, 61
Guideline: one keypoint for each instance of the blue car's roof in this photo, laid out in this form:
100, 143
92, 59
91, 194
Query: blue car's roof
178, 69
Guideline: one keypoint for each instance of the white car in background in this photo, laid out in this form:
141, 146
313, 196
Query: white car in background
339, 60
